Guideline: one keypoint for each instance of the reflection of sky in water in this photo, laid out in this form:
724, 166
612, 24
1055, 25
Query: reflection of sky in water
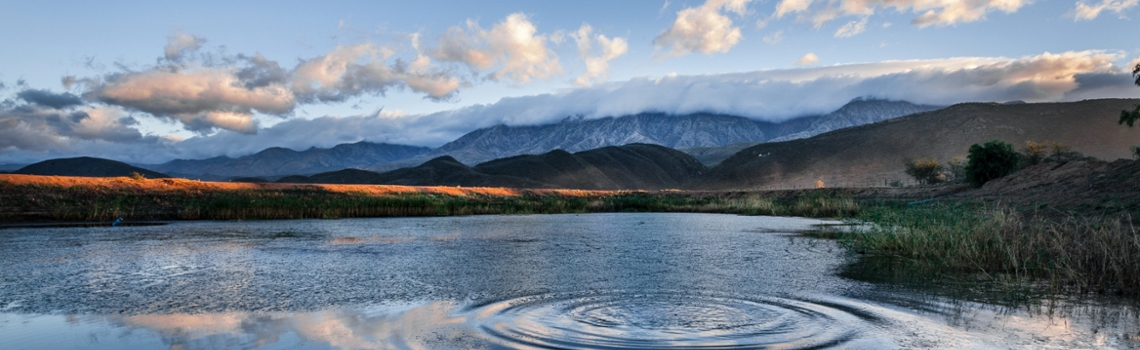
476, 282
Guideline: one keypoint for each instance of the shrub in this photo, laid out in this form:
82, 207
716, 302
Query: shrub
989, 161
956, 169
1136, 152
137, 177
926, 171
1034, 152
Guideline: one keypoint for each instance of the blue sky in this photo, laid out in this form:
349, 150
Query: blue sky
156, 80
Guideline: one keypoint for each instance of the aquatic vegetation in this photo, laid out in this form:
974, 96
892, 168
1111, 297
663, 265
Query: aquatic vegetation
1098, 254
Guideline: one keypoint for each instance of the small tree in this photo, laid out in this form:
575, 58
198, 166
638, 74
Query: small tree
1034, 152
956, 169
137, 176
926, 171
1127, 116
1059, 152
989, 161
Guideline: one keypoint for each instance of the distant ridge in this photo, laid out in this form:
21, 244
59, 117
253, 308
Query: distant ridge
673, 131
86, 166
635, 166
277, 161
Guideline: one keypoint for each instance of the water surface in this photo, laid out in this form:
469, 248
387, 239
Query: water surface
543, 281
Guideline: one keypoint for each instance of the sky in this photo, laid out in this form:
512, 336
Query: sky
151, 81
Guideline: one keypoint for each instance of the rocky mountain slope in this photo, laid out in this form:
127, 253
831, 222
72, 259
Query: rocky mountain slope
634, 166
873, 154
85, 166
679, 132
282, 161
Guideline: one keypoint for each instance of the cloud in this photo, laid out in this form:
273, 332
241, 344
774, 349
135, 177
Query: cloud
703, 29
38, 128
179, 44
350, 71
807, 59
938, 12
511, 49
1086, 11
852, 28
774, 38
597, 61
202, 98
226, 92
50, 99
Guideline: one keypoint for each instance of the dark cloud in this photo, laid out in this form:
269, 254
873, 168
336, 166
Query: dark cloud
50, 99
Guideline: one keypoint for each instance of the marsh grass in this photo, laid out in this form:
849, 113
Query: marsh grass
37, 202
1097, 254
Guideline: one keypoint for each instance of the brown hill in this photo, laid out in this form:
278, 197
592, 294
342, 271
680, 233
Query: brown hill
86, 166
1078, 186
873, 154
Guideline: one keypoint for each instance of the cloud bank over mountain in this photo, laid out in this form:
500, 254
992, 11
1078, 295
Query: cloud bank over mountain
773, 95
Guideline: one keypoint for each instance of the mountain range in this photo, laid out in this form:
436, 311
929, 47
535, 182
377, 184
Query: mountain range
277, 161
633, 166
673, 131
860, 156
701, 131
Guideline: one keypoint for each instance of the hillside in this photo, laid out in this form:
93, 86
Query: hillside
635, 166
673, 131
278, 161
85, 166
873, 154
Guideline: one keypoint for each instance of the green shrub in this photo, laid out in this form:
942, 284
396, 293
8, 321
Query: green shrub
989, 161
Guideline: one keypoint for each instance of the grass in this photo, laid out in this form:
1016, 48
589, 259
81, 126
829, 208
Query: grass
1099, 254
103, 202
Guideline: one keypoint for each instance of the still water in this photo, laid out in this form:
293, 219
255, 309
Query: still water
613, 281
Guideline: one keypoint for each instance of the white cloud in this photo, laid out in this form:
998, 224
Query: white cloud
179, 44
201, 99
852, 28
511, 49
597, 61
774, 38
807, 59
204, 98
1086, 11
931, 12
703, 29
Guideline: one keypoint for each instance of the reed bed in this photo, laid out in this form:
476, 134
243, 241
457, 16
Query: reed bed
47, 202
1098, 254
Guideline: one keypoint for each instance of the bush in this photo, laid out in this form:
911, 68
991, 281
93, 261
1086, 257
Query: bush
956, 169
1034, 152
989, 161
926, 171
1136, 152
137, 177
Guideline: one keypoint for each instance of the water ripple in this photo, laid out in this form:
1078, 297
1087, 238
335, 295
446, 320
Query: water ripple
616, 320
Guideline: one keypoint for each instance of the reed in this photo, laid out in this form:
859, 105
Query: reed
1099, 254
38, 202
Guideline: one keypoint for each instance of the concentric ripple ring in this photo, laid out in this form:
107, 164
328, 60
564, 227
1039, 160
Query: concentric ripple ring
663, 320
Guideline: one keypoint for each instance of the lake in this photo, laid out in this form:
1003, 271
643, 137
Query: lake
617, 281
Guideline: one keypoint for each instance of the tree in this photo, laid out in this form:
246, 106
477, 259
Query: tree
1034, 152
926, 171
989, 161
1127, 116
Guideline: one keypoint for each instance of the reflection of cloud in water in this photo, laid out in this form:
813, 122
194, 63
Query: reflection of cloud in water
406, 327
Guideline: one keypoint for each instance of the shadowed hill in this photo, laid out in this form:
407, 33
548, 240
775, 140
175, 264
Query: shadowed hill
86, 166
873, 154
636, 166
283, 161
